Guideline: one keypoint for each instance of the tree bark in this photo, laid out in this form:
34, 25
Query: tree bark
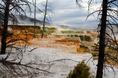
100, 65
5, 28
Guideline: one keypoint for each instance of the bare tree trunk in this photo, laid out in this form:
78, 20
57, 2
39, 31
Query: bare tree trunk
5, 27
34, 17
100, 65
44, 20
35, 13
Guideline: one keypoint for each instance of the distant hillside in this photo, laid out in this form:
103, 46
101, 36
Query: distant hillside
22, 20
75, 28
25, 20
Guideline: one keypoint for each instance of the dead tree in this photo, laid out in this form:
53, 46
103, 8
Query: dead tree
103, 26
5, 27
9, 6
44, 19
108, 21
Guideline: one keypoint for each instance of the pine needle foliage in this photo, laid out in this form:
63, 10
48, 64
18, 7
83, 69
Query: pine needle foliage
80, 71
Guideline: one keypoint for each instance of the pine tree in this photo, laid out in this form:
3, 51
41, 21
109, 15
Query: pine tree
80, 71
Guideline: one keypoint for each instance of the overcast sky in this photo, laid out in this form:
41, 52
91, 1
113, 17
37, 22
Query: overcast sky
66, 12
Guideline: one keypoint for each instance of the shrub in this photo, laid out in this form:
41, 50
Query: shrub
85, 38
80, 71
88, 38
76, 35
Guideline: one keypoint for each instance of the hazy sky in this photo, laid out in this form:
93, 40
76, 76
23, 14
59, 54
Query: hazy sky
66, 12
